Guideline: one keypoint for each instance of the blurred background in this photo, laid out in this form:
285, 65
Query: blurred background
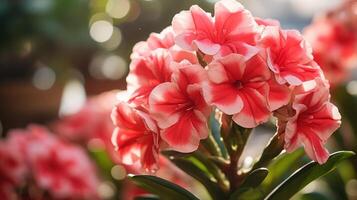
55, 53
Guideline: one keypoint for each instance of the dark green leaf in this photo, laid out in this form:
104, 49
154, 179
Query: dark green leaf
255, 178
161, 187
307, 174
199, 171
280, 168
248, 189
246, 194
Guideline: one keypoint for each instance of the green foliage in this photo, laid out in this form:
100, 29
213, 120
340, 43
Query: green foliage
307, 174
162, 188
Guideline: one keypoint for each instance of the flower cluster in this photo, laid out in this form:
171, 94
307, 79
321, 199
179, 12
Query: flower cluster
48, 167
333, 37
248, 68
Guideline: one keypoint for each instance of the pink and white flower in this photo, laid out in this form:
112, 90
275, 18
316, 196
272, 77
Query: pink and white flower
163, 40
136, 137
244, 89
315, 119
146, 73
62, 169
232, 29
288, 56
179, 108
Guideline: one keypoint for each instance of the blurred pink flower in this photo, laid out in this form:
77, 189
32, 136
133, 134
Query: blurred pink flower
12, 170
92, 122
62, 169
335, 46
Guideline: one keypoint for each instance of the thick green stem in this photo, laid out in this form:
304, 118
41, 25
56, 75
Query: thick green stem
235, 138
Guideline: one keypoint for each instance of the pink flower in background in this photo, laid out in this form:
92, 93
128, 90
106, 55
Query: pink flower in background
288, 56
62, 169
136, 137
92, 122
314, 121
232, 29
12, 170
243, 89
334, 44
179, 105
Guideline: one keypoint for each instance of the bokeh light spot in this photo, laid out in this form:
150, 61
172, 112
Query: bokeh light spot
73, 98
101, 30
118, 8
44, 78
118, 172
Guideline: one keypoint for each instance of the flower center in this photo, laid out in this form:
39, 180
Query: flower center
238, 84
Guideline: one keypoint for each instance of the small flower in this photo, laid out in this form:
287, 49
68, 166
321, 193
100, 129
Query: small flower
314, 121
179, 108
135, 137
288, 56
244, 89
233, 29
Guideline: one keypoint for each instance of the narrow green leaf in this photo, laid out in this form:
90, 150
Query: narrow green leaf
255, 178
280, 168
162, 188
248, 189
207, 180
307, 174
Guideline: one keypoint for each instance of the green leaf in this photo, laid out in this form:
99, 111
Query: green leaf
255, 178
248, 189
201, 173
162, 188
307, 174
247, 194
280, 168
